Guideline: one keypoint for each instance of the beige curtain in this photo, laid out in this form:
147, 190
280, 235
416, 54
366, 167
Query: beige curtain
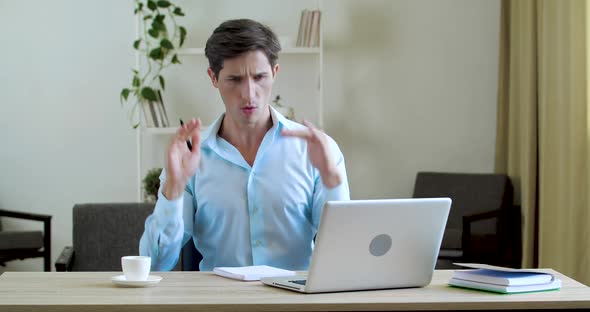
543, 136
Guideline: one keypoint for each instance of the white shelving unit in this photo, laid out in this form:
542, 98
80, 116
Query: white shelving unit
189, 93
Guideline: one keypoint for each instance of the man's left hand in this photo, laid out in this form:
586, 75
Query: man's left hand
319, 153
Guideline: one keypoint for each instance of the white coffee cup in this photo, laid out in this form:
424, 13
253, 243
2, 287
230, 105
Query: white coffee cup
136, 268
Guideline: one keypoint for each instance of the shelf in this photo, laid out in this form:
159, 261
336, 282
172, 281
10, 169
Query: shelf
301, 80
292, 50
159, 131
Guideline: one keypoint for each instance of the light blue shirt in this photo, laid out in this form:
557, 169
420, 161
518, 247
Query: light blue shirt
240, 215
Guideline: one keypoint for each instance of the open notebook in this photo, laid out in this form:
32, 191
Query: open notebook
251, 273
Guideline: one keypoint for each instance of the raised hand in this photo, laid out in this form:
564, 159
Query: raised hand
182, 163
318, 149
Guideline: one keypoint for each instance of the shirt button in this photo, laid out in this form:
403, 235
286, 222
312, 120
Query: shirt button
258, 243
254, 210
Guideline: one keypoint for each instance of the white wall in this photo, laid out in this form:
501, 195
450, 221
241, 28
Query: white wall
410, 85
64, 138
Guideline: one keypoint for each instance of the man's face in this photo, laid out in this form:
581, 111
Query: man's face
245, 85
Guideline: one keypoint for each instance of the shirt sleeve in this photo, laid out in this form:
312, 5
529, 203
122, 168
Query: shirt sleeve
167, 229
322, 193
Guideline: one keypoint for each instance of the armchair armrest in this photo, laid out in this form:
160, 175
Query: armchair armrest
46, 230
468, 219
65, 260
481, 216
24, 215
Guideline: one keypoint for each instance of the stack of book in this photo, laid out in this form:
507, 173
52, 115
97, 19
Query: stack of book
309, 28
155, 114
503, 280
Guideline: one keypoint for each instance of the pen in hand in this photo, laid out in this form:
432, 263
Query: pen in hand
188, 142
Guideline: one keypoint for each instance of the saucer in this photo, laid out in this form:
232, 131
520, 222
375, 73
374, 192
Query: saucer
120, 280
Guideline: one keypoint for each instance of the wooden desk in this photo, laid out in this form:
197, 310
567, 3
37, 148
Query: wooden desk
194, 291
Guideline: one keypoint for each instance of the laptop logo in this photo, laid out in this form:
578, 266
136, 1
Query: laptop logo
380, 245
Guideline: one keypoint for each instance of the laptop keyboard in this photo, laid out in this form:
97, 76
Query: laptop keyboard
300, 282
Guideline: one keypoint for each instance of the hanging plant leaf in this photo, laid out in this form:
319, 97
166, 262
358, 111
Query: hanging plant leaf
138, 7
162, 84
175, 59
149, 94
154, 33
178, 11
124, 95
182, 35
164, 3
147, 17
135, 82
156, 54
152, 5
136, 44
158, 26
160, 18
165, 43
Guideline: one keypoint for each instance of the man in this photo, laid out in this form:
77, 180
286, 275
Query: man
252, 189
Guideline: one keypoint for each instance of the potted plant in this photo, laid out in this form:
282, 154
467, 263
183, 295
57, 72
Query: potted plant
151, 185
158, 41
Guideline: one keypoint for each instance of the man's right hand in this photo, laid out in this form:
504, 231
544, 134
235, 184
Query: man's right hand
182, 163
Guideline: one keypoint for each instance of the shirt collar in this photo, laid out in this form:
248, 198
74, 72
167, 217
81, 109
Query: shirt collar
209, 134
277, 118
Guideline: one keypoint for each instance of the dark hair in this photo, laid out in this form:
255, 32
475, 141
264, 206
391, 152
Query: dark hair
235, 37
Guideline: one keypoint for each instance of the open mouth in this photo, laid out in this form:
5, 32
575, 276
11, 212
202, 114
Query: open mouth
248, 109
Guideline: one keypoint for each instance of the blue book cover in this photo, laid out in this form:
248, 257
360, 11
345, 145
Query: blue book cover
503, 277
503, 280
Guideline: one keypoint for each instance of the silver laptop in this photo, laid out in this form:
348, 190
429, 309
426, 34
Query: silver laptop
373, 244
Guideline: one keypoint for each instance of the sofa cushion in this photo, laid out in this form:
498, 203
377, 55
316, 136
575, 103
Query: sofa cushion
21, 240
104, 232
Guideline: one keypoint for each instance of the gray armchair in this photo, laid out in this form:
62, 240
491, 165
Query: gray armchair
104, 232
19, 245
483, 226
